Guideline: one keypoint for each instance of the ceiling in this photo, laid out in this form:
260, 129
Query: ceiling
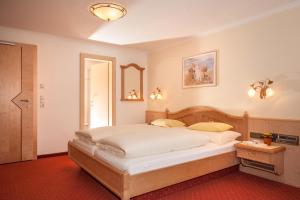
148, 23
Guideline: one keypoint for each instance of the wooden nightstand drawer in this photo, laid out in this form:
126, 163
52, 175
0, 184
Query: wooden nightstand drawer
267, 158
254, 155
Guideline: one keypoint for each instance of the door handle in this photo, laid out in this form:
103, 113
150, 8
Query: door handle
24, 100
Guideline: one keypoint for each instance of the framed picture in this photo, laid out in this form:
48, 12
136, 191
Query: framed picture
200, 70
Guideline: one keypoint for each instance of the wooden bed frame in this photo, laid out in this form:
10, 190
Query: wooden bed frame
126, 186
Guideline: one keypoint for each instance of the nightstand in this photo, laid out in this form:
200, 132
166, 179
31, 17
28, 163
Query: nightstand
261, 156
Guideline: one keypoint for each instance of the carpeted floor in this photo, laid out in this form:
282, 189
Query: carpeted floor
58, 178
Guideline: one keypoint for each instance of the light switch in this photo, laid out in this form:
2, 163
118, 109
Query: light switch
42, 102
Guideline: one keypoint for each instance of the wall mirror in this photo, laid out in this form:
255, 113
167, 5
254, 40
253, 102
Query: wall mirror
132, 82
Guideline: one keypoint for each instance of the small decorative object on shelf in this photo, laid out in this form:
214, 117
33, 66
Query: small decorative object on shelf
267, 138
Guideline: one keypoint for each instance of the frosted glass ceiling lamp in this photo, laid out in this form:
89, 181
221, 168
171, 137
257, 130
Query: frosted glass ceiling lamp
108, 11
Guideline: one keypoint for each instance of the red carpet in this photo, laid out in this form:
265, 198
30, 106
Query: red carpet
59, 178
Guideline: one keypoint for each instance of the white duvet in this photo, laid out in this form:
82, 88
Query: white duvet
95, 134
150, 140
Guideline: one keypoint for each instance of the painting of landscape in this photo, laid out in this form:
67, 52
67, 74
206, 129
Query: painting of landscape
199, 70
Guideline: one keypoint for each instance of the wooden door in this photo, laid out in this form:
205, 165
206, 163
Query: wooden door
17, 103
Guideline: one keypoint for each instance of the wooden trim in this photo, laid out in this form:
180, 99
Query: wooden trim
126, 186
114, 117
260, 149
141, 85
52, 155
133, 65
122, 84
141, 69
276, 119
285, 126
29, 91
108, 175
153, 115
82, 90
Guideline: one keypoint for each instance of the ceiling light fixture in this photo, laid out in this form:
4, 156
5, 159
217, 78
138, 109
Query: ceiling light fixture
108, 11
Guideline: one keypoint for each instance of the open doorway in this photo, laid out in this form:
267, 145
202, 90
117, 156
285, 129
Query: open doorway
97, 91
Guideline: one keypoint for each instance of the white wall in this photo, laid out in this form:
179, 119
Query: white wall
58, 70
266, 48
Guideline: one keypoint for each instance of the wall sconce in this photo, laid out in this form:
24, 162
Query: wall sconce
156, 95
132, 94
263, 87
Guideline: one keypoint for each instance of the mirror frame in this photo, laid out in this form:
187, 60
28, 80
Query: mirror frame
139, 68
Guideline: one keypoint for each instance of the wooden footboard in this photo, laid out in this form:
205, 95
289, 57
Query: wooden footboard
126, 186
111, 177
156, 179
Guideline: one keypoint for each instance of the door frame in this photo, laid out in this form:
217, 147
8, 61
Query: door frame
83, 56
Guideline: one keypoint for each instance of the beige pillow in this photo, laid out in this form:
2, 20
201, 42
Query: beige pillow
211, 126
167, 123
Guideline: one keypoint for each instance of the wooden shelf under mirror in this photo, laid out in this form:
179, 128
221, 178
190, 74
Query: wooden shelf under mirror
132, 82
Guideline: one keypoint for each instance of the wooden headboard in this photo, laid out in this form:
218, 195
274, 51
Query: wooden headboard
197, 114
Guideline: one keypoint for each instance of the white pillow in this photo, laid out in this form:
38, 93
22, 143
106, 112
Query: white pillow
223, 137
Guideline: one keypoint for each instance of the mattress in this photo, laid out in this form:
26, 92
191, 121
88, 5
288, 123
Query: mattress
149, 163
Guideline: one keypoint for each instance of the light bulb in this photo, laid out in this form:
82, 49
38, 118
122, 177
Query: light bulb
152, 96
251, 92
158, 96
129, 97
269, 92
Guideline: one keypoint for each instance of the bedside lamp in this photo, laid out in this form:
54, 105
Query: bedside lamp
262, 87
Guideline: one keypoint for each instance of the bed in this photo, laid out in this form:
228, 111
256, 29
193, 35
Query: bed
134, 182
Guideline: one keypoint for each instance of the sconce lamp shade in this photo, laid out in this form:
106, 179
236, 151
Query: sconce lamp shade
132, 94
156, 95
152, 95
159, 96
269, 92
251, 92
108, 11
262, 87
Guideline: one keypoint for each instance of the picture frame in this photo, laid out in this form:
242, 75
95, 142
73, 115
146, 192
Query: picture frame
200, 70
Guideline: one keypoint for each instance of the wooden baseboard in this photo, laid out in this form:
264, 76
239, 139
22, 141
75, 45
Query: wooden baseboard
52, 155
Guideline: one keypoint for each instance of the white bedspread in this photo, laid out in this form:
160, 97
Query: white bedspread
95, 134
151, 140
